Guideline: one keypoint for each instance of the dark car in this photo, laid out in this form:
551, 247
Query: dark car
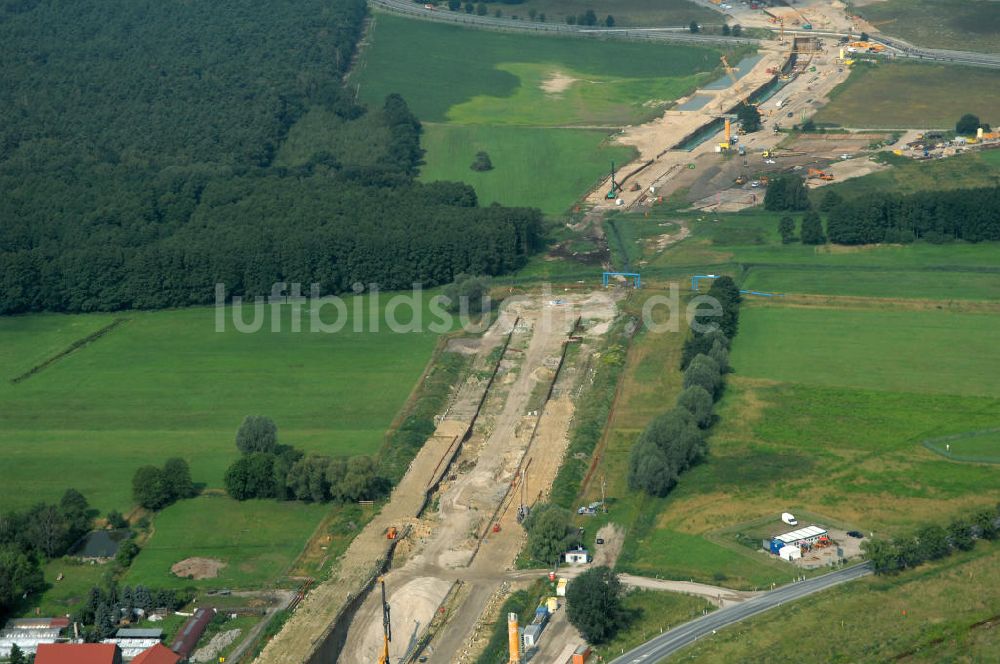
600, 540
856, 534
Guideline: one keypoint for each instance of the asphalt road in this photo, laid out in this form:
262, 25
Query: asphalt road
659, 647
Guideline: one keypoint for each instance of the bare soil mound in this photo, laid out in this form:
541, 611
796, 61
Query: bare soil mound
198, 568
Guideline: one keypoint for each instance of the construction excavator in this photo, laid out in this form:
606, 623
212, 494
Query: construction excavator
386, 627
822, 175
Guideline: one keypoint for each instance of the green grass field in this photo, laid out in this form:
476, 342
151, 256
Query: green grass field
876, 283
166, 384
653, 13
967, 25
825, 415
747, 245
906, 176
829, 403
981, 446
256, 539
542, 107
913, 351
942, 612
448, 73
651, 611
27, 341
905, 95
545, 168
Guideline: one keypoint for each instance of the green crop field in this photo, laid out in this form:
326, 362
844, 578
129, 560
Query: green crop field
542, 107
167, 384
545, 168
652, 13
968, 25
905, 95
913, 351
257, 540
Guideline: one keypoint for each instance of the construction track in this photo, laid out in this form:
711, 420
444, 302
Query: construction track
469, 465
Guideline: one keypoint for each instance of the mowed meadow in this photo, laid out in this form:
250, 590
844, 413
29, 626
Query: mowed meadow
542, 107
163, 384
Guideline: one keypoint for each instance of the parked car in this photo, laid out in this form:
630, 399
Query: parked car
599, 540
856, 534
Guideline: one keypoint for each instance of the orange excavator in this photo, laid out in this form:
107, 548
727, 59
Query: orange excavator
822, 175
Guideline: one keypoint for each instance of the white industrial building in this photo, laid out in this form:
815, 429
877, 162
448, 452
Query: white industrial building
807, 535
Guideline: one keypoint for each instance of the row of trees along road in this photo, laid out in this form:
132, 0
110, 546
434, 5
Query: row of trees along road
674, 441
268, 469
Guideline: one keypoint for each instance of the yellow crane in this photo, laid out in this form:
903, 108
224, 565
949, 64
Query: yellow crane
386, 627
731, 72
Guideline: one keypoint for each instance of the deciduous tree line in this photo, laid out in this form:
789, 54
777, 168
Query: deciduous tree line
675, 440
936, 216
972, 215
932, 542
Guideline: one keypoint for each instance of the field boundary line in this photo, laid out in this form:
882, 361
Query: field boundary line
76, 345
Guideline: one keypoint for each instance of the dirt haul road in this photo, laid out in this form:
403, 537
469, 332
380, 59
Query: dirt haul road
456, 541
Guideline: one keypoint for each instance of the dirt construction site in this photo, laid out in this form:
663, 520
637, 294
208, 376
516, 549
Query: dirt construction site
679, 151
455, 511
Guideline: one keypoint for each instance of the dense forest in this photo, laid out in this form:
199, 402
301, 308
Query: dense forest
137, 161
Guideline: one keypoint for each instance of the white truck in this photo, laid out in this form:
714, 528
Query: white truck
789, 519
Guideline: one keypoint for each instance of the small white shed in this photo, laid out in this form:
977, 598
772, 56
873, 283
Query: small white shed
577, 557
